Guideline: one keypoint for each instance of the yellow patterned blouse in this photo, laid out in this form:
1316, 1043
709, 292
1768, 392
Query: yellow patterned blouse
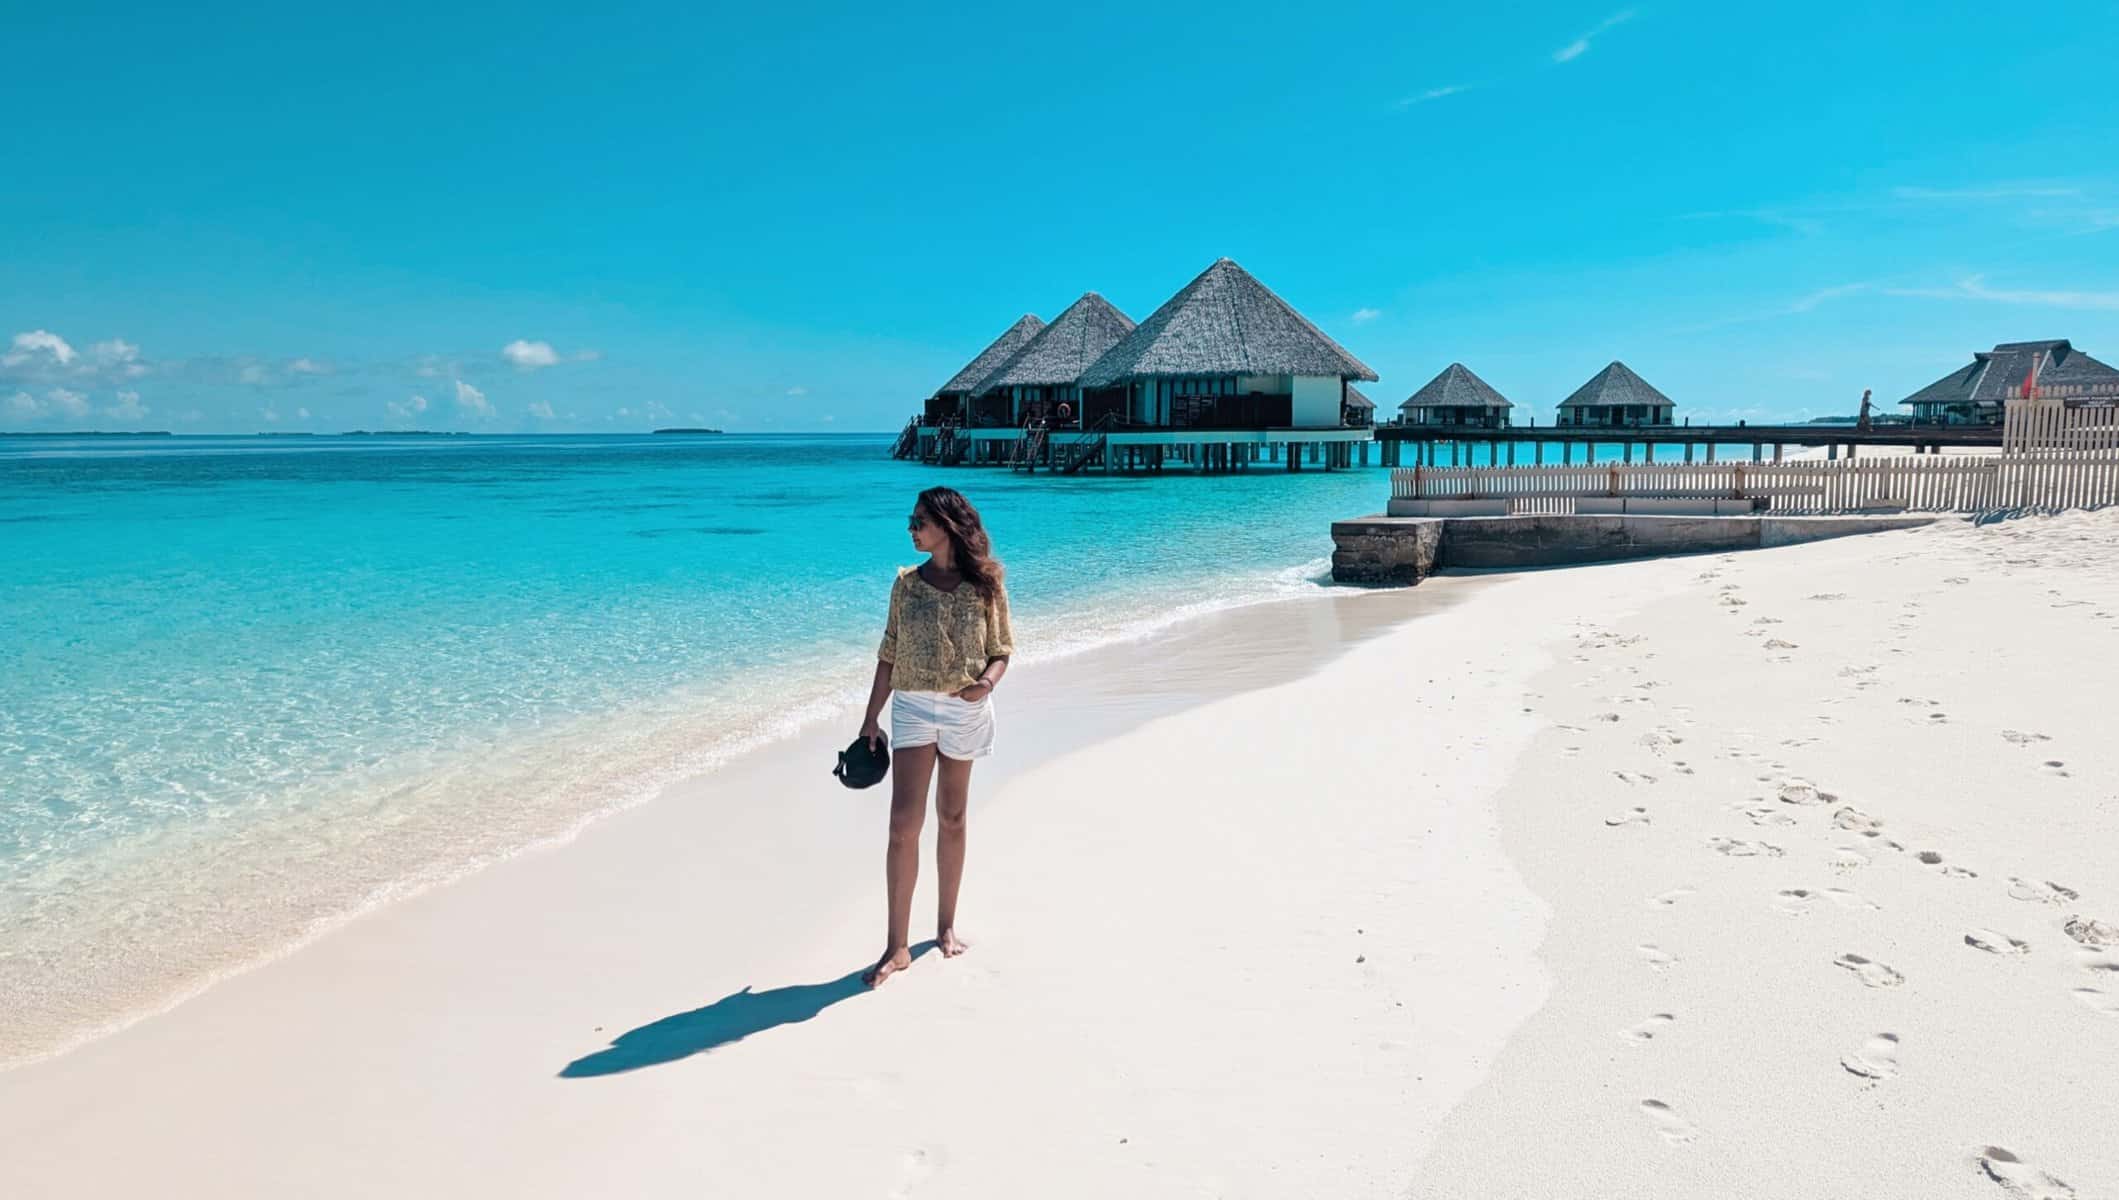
940, 641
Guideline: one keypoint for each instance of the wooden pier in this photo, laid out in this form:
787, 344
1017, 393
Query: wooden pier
1457, 445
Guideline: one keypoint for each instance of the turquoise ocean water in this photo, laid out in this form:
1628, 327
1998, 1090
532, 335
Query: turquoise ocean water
250, 686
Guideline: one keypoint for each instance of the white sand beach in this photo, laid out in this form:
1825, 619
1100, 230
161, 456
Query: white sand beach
1778, 874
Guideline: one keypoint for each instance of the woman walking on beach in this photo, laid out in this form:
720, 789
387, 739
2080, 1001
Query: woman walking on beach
945, 648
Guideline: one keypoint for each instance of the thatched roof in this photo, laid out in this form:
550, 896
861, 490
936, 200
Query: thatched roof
1615, 384
1456, 387
990, 359
1355, 399
1224, 323
1062, 350
1997, 375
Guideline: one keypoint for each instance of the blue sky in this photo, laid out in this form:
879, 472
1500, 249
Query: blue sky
610, 217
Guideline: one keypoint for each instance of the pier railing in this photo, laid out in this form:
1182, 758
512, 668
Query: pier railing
1914, 484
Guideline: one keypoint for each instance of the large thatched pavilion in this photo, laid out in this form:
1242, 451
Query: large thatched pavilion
1226, 353
1616, 397
1456, 397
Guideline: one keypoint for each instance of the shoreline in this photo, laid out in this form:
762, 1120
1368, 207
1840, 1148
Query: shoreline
357, 879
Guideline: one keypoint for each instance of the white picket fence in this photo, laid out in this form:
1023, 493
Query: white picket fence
1919, 484
2060, 452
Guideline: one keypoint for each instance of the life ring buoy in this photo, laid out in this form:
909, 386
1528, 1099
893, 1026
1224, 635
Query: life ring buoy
1066, 411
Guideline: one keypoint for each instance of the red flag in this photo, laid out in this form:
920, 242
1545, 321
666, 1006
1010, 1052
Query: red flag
2030, 379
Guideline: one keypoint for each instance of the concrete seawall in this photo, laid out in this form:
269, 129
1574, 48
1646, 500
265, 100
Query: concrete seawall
1401, 551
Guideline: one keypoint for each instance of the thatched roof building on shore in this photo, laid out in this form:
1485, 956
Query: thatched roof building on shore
1456, 397
1977, 394
1227, 353
1044, 372
1615, 396
947, 403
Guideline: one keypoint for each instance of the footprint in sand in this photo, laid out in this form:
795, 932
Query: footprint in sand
2019, 1178
1781, 644
1648, 1029
1829, 596
1667, 1122
1794, 901
2054, 767
1656, 956
2017, 737
1877, 1058
919, 1165
2091, 932
2048, 892
1739, 848
1632, 816
1763, 814
2099, 961
1670, 898
1636, 777
1929, 858
1802, 791
1996, 943
1849, 900
2098, 1001
1659, 740
1856, 821
1872, 973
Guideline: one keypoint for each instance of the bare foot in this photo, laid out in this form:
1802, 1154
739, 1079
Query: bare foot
892, 962
951, 944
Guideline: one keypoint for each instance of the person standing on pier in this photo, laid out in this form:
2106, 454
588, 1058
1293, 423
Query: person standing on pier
946, 646
1862, 421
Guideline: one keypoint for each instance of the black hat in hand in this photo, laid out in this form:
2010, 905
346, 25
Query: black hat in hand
863, 764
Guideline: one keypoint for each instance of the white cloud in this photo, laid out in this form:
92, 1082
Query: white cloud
22, 405
1580, 46
252, 374
541, 410
1362, 315
270, 414
798, 390
36, 342
1432, 94
309, 366
73, 404
2004, 192
119, 355
1974, 288
128, 407
472, 401
407, 407
530, 355
302, 413
827, 418
1804, 304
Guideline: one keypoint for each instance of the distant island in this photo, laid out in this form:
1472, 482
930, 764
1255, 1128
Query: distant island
404, 433
687, 430
90, 433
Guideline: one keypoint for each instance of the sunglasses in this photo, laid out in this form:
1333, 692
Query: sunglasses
916, 521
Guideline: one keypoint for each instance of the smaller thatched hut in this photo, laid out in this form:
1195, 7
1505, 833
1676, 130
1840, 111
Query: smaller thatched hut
1041, 380
1616, 397
1358, 410
1456, 397
1977, 394
947, 403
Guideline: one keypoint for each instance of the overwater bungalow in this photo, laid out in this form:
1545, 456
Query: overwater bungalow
1226, 353
948, 401
1459, 398
1360, 410
1977, 394
1616, 397
1041, 381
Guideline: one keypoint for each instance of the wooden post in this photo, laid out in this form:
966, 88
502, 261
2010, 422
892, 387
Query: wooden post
1776, 452
1688, 452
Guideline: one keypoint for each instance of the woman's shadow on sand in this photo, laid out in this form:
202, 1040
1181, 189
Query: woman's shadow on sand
730, 1019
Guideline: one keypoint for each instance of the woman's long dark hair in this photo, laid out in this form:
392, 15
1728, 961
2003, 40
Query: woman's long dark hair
968, 542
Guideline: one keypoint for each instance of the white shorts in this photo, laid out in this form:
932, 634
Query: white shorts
958, 728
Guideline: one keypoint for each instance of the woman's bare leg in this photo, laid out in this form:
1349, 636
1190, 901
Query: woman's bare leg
952, 803
910, 771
